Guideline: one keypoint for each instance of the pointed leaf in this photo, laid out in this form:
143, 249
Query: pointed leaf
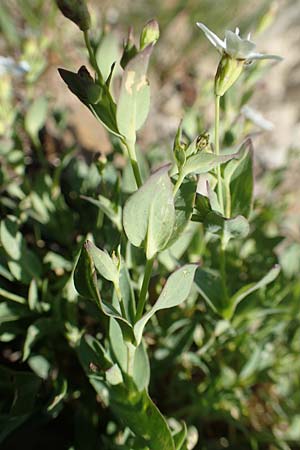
103, 263
85, 281
134, 100
175, 291
149, 214
238, 176
139, 413
249, 288
203, 162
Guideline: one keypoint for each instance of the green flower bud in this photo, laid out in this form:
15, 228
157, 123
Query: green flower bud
76, 10
150, 34
229, 70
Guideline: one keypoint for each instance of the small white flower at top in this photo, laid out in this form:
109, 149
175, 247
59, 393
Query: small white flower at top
235, 46
235, 53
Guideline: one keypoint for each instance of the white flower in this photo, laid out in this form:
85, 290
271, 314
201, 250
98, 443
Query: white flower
9, 65
235, 46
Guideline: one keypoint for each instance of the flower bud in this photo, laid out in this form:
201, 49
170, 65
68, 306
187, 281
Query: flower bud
229, 70
76, 10
150, 34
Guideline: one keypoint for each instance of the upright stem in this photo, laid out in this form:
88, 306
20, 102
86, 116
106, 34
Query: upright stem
223, 274
119, 295
134, 163
221, 202
92, 56
217, 150
178, 183
144, 289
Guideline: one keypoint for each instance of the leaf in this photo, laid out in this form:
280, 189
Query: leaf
103, 263
11, 238
114, 375
209, 285
127, 292
10, 312
184, 202
141, 367
139, 413
107, 53
92, 355
11, 296
105, 205
180, 437
175, 291
238, 176
170, 257
101, 104
85, 282
149, 214
38, 330
203, 162
237, 228
249, 288
134, 100
36, 116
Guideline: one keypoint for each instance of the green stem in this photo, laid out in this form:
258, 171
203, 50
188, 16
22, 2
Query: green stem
92, 56
130, 358
228, 201
134, 163
144, 289
119, 295
178, 183
223, 274
217, 150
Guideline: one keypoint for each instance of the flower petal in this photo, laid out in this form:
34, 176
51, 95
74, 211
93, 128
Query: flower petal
212, 37
236, 47
253, 56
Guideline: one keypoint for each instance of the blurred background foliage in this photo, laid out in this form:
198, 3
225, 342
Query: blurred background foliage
236, 385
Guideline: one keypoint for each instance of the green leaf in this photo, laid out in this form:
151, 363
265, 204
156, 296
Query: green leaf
114, 375
149, 214
98, 101
175, 291
184, 202
11, 239
134, 100
139, 413
36, 116
141, 367
248, 289
238, 176
180, 437
85, 282
237, 228
10, 312
118, 347
203, 162
38, 330
103, 263
11, 296
209, 285
107, 53
105, 205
